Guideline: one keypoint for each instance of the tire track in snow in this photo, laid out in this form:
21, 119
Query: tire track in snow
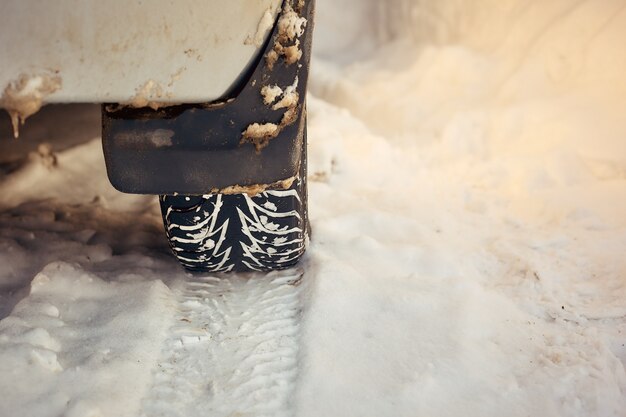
233, 350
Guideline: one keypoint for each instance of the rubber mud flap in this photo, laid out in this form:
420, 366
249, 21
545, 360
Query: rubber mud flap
251, 140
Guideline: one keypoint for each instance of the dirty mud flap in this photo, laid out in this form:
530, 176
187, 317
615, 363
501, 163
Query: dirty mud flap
247, 143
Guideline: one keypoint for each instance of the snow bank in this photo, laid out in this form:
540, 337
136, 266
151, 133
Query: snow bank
431, 298
77, 342
82, 177
83, 305
471, 261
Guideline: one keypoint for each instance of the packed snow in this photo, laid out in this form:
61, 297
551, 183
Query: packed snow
467, 183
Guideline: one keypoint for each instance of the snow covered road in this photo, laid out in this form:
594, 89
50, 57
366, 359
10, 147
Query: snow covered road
467, 198
244, 333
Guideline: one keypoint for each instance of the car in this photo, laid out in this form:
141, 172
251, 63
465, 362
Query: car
203, 104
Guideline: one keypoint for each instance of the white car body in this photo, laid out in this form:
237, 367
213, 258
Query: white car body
126, 51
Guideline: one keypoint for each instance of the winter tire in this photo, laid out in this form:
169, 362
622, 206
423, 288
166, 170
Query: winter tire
224, 233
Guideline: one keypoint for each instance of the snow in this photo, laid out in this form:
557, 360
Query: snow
289, 97
61, 348
270, 93
467, 196
265, 24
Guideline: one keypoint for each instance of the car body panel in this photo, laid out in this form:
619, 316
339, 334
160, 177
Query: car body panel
130, 51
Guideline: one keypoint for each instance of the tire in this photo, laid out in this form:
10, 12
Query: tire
225, 233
